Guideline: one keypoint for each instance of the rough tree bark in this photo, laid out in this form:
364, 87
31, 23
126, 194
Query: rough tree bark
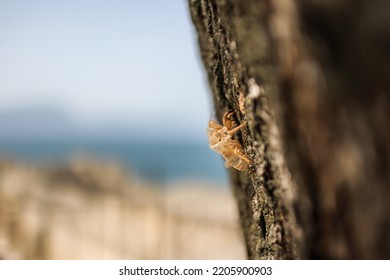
311, 78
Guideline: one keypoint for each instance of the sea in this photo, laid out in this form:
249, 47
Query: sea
161, 162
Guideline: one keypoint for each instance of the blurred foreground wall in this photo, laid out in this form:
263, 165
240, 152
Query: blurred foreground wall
89, 210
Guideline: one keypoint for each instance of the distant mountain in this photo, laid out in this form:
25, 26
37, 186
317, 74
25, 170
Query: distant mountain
52, 123
37, 123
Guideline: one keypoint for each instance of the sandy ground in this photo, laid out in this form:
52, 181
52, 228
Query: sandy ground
91, 210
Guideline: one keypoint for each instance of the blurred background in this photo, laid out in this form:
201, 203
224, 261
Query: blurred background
103, 149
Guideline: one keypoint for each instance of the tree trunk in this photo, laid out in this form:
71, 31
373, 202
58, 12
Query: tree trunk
311, 79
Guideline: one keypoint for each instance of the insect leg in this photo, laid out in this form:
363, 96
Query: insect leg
234, 130
228, 120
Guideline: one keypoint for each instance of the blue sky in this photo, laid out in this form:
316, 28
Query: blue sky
134, 64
